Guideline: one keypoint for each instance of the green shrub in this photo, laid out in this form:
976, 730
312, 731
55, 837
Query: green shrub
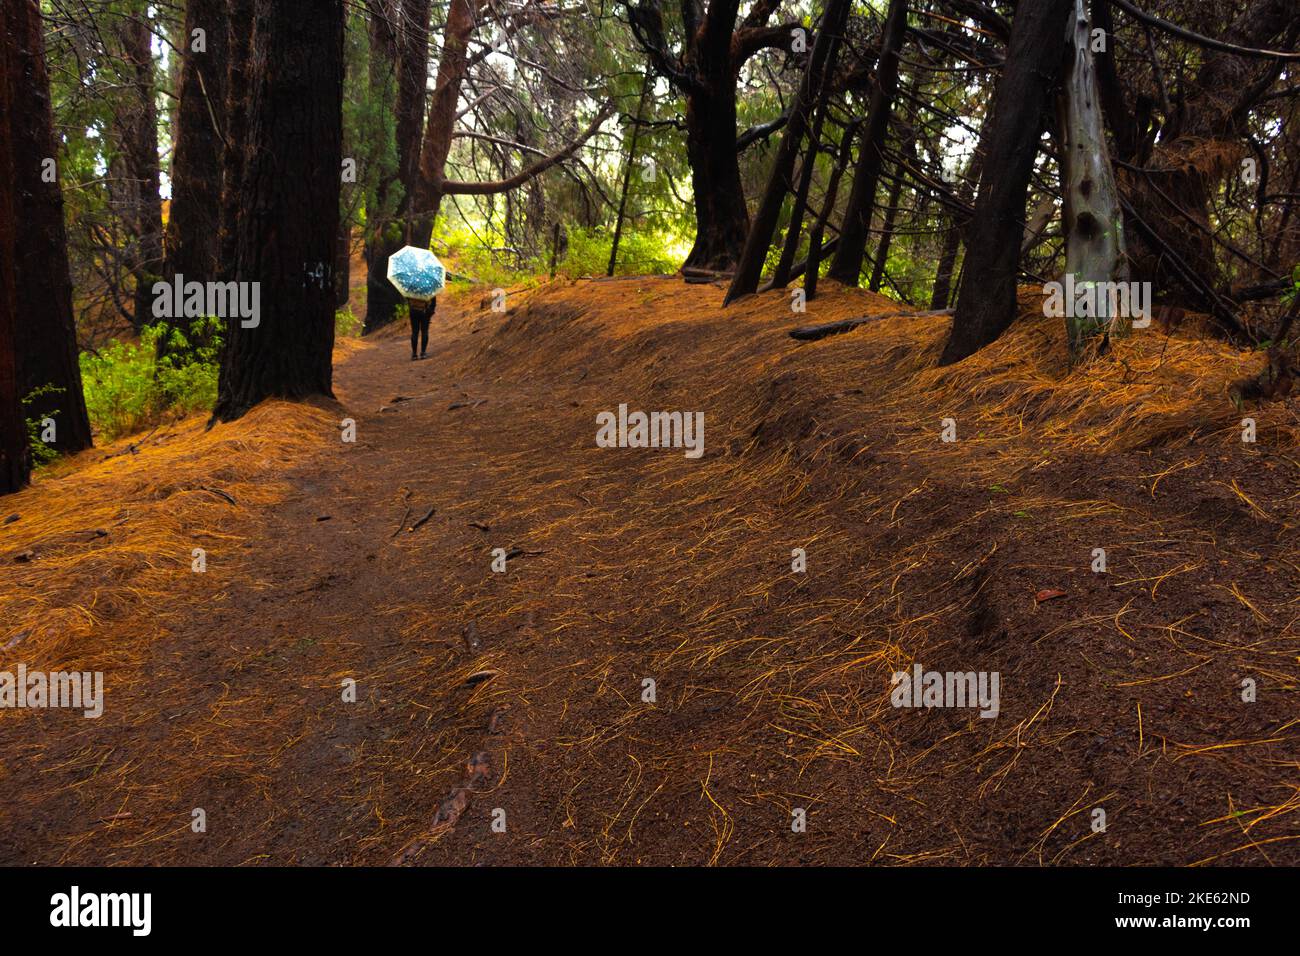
346, 323
639, 253
42, 454
128, 387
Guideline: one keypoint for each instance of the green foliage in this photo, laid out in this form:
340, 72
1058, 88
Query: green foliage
129, 387
468, 249
42, 454
369, 131
346, 323
639, 253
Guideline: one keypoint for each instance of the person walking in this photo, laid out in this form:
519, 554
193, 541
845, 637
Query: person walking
421, 314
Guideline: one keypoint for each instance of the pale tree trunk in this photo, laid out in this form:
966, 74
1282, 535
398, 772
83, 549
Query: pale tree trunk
1092, 220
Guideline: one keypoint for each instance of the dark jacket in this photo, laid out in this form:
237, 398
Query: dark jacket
423, 313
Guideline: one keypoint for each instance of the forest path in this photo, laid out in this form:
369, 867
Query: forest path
539, 669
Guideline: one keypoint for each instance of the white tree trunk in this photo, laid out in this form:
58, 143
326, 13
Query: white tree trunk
1093, 222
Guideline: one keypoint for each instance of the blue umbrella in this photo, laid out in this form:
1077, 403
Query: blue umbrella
416, 272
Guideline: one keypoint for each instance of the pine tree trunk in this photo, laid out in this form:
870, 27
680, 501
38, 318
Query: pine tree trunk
847, 264
721, 219
941, 297
813, 267
290, 207
383, 233
45, 337
405, 53
780, 180
412, 88
986, 300
942, 291
958, 225
453, 64
140, 141
194, 222
785, 264
629, 165
239, 50
15, 462
887, 229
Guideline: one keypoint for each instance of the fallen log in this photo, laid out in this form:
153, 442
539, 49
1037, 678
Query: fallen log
694, 276
811, 333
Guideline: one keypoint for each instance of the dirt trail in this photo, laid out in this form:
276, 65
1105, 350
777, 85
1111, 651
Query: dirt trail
486, 698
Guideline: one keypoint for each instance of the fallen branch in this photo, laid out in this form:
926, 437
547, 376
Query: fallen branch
418, 524
219, 494
477, 772
811, 333
521, 553
690, 273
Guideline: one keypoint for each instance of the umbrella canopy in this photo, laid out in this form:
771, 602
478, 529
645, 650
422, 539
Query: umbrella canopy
416, 272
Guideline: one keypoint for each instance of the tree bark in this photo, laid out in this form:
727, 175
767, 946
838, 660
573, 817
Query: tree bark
412, 88
815, 248
15, 460
780, 180
785, 263
1092, 221
986, 301
45, 337
1201, 146
140, 148
847, 264
239, 50
194, 223
383, 234
721, 219
453, 65
942, 293
290, 207
887, 227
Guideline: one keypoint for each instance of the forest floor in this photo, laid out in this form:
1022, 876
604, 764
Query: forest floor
484, 697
